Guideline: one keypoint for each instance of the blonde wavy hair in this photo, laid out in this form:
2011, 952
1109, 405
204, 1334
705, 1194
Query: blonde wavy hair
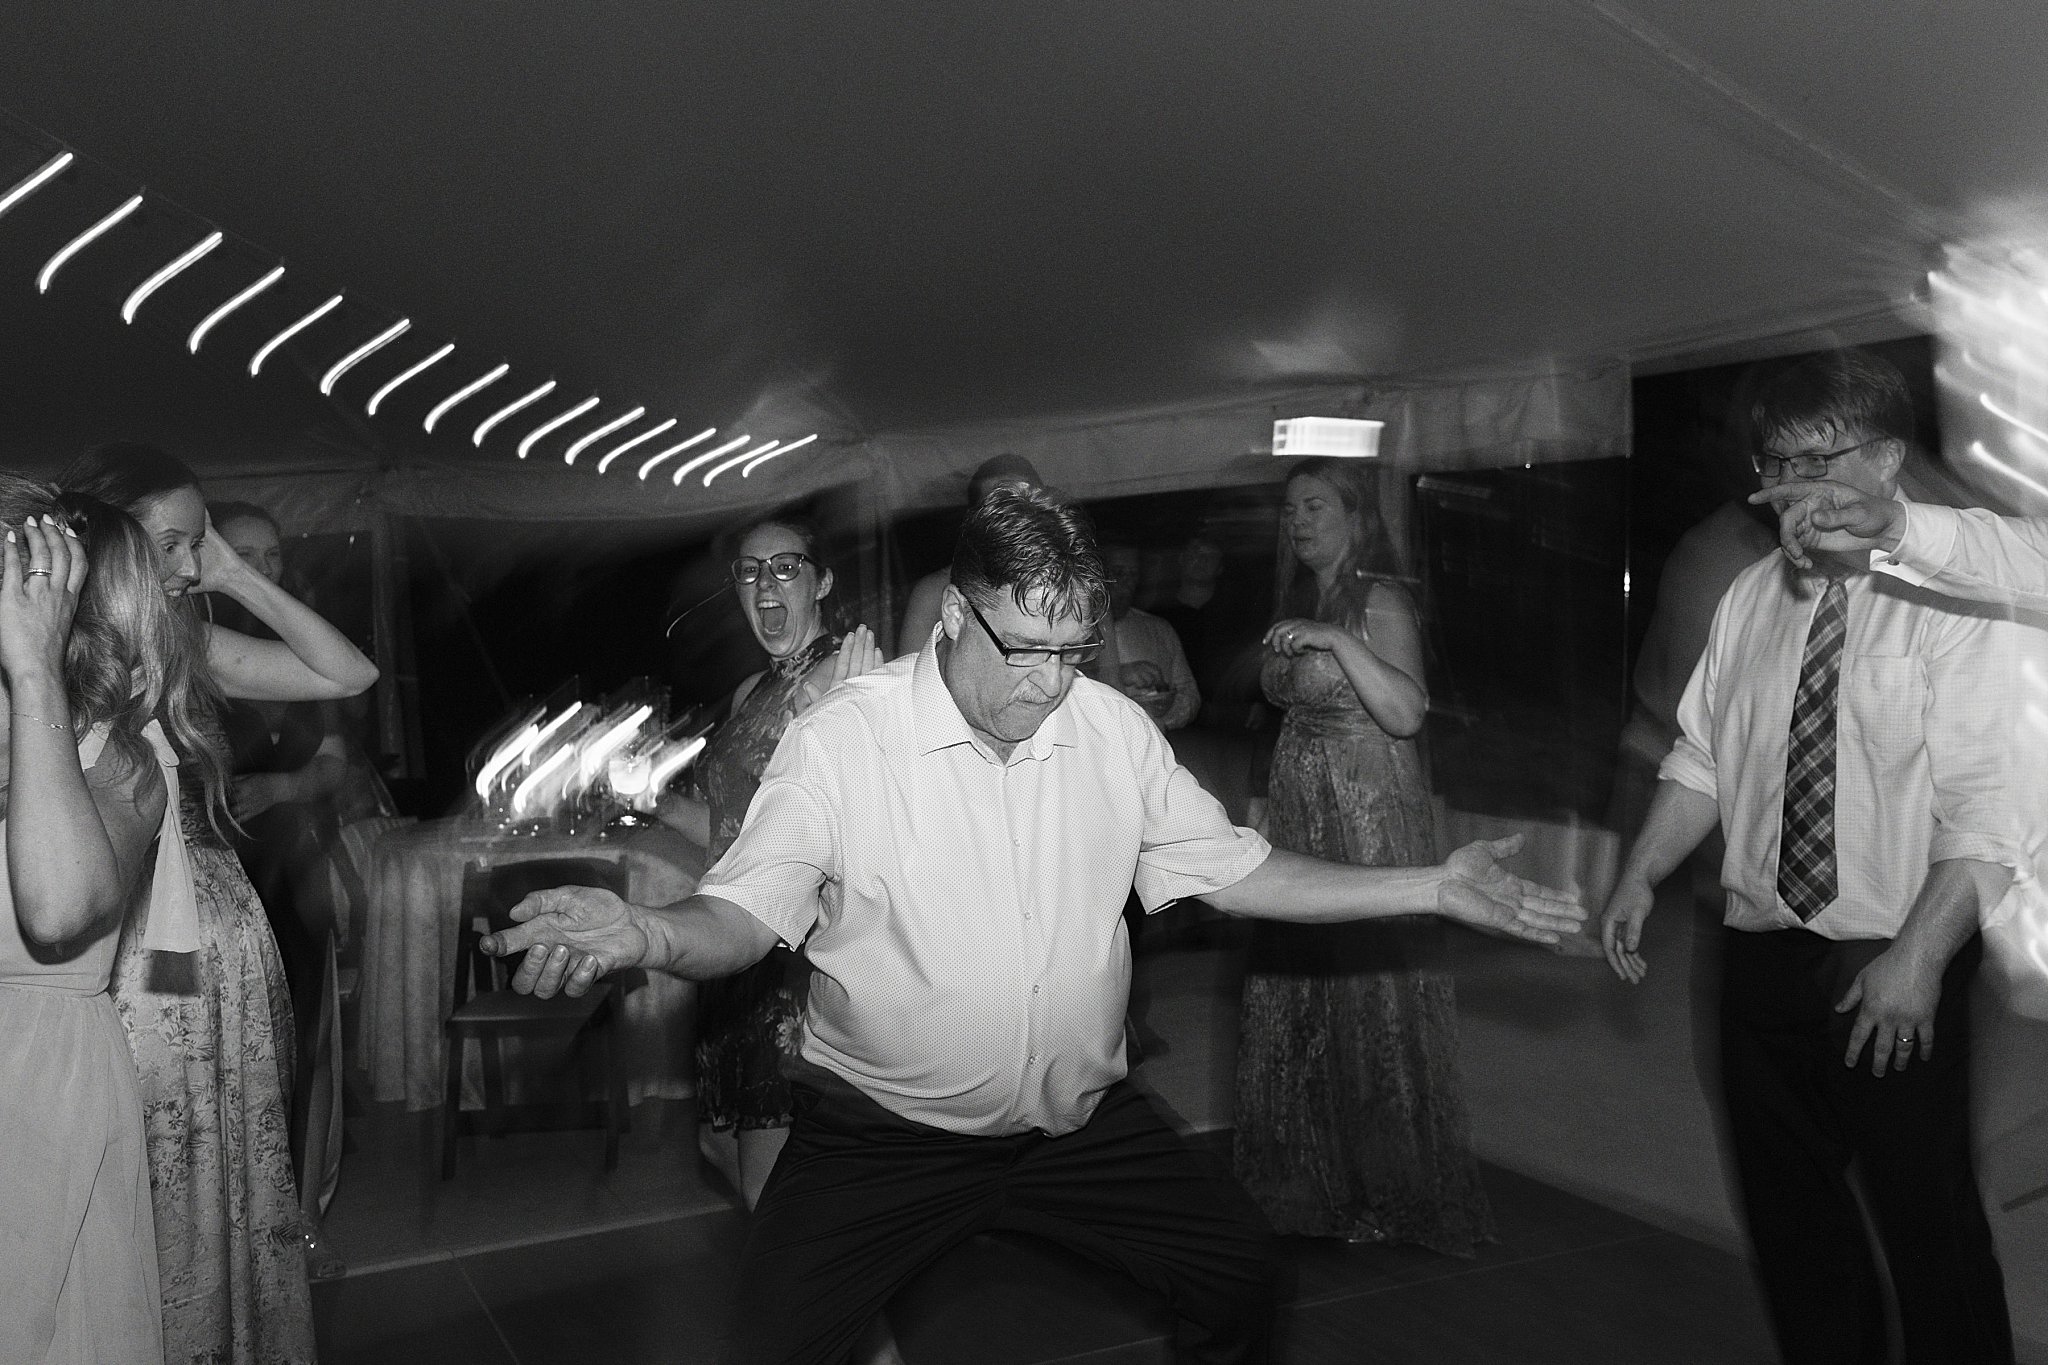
129, 659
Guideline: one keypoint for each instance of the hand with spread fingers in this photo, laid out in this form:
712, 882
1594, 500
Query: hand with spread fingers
42, 569
857, 654
571, 935
1820, 514
1482, 894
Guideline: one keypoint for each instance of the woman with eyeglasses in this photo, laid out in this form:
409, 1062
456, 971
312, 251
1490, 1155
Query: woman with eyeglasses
747, 1023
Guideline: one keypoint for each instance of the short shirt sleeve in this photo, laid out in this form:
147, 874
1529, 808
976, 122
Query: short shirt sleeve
789, 846
1189, 846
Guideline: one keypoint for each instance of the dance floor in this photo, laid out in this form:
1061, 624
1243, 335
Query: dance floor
533, 1255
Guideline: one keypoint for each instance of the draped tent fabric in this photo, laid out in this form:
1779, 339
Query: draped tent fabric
886, 222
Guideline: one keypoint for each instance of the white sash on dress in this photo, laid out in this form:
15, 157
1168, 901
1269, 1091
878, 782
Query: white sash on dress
171, 924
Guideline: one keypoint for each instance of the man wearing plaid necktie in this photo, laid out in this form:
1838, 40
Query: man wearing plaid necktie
1849, 732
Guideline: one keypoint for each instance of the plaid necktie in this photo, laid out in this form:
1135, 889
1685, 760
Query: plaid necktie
1806, 849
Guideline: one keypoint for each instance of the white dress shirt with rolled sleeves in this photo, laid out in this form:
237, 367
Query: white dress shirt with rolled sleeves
1923, 739
963, 914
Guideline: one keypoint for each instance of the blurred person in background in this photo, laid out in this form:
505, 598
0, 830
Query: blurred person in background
1153, 669
1351, 1119
289, 761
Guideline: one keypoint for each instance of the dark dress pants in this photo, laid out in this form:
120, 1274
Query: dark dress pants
1799, 1119
861, 1200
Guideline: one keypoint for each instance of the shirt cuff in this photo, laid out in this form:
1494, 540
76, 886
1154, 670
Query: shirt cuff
1687, 770
1972, 844
1918, 557
1158, 889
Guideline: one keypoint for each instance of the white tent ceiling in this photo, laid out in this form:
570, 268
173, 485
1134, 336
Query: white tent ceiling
873, 220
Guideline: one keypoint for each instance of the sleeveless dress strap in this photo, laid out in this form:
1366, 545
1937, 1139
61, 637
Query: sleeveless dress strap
171, 924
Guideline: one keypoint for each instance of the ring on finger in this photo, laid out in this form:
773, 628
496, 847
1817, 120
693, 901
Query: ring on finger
38, 573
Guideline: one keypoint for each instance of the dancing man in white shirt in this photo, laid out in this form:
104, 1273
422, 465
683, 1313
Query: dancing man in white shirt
1848, 731
951, 839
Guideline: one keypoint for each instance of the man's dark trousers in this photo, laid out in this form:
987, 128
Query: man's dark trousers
1798, 1118
861, 1200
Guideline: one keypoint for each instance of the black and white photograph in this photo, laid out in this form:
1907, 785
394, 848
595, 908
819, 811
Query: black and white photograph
801, 684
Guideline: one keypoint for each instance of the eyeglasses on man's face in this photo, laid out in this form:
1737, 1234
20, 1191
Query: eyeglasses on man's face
1803, 466
746, 570
1072, 656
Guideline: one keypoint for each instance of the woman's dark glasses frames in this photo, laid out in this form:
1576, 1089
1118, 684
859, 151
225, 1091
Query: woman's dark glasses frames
746, 570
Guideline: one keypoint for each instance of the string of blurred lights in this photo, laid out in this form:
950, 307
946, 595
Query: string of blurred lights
65, 164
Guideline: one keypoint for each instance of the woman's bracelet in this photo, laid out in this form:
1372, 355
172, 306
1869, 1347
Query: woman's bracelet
23, 715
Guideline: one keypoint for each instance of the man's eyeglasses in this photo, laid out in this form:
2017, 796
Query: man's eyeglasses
746, 570
1803, 466
1073, 656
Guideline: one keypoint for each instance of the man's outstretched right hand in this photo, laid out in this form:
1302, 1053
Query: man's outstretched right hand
571, 936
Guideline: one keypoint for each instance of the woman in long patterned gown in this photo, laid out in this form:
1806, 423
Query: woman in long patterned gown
1350, 1121
212, 1030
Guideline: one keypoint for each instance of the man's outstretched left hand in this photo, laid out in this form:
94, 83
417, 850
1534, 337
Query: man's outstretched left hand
1482, 894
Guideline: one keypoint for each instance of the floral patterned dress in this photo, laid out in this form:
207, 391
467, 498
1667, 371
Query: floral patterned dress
747, 1024
212, 1037
1350, 1121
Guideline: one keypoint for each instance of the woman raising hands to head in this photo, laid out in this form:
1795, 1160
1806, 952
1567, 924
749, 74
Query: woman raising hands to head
92, 673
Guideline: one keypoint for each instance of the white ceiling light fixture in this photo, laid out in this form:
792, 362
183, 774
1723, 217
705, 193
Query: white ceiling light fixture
362, 353
736, 461
533, 396
1344, 438
624, 446
168, 273
377, 398
699, 461
751, 465
263, 352
607, 429
206, 324
477, 385
678, 448
81, 242
532, 437
35, 180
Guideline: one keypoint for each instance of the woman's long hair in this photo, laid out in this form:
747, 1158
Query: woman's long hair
1367, 560
131, 476
128, 660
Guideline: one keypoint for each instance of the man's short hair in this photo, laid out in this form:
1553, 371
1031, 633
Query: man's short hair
1833, 394
1032, 544
1000, 469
